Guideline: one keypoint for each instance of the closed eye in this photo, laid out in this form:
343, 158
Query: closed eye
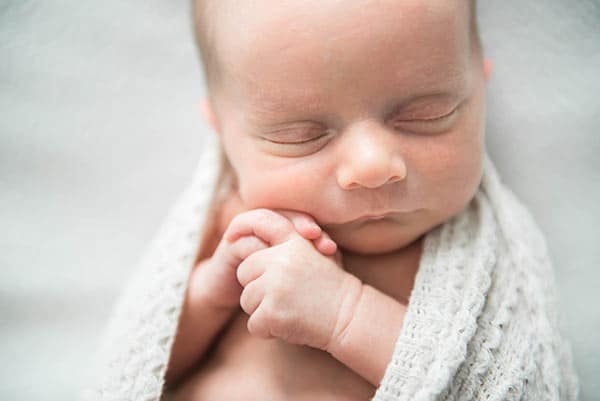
296, 136
426, 125
301, 142
296, 143
431, 119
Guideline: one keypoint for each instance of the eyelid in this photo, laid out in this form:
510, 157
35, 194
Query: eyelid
321, 134
442, 117
294, 142
297, 149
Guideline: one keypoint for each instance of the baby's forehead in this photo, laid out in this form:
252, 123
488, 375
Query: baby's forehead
324, 49
243, 29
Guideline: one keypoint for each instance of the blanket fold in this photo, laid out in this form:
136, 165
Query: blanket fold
482, 321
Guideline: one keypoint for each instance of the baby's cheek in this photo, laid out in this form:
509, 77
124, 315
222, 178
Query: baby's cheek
280, 188
448, 169
265, 191
458, 181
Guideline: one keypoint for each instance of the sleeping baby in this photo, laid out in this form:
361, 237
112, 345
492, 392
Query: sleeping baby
346, 236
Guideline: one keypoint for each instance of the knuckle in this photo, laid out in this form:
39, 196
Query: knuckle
244, 301
275, 283
240, 276
264, 214
234, 225
306, 217
237, 219
248, 245
271, 317
293, 214
281, 325
242, 272
271, 216
253, 325
251, 215
257, 325
300, 219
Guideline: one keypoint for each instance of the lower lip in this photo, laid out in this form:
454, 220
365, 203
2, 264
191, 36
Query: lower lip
374, 218
377, 218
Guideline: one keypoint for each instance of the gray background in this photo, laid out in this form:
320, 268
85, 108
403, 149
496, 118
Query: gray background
99, 133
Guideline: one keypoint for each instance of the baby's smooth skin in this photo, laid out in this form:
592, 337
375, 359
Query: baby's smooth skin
364, 116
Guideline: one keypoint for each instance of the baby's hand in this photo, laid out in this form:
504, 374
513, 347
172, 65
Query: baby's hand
291, 291
215, 280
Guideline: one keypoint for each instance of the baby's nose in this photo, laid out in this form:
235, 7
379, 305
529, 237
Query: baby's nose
369, 157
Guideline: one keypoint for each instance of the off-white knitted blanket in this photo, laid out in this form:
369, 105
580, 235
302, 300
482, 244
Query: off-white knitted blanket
482, 321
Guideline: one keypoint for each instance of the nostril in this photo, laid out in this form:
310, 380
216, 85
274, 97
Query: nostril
395, 178
353, 181
371, 172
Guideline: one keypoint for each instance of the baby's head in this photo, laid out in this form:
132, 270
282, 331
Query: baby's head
366, 114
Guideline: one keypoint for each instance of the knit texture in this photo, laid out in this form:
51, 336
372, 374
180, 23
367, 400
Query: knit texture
482, 321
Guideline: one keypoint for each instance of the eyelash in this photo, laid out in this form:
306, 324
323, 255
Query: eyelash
414, 121
428, 120
296, 143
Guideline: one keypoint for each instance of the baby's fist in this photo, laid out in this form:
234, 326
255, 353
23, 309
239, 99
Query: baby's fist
216, 280
293, 292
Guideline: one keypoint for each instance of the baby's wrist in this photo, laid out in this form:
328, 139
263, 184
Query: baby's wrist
353, 290
204, 292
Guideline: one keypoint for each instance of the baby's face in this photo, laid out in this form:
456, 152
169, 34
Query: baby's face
351, 109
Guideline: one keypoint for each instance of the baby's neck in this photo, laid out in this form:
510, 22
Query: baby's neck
392, 273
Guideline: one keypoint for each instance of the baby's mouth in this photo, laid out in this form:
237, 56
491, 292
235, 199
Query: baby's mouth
374, 217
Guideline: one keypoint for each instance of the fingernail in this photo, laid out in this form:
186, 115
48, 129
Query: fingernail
332, 245
316, 226
311, 225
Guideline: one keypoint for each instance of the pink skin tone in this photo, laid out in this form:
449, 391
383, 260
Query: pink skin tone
217, 283
373, 130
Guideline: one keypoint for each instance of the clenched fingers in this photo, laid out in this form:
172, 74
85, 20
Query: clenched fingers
269, 226
252, 296
234, 253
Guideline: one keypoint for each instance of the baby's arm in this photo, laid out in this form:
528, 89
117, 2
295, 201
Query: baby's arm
213, 294
371, 326
200, 321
